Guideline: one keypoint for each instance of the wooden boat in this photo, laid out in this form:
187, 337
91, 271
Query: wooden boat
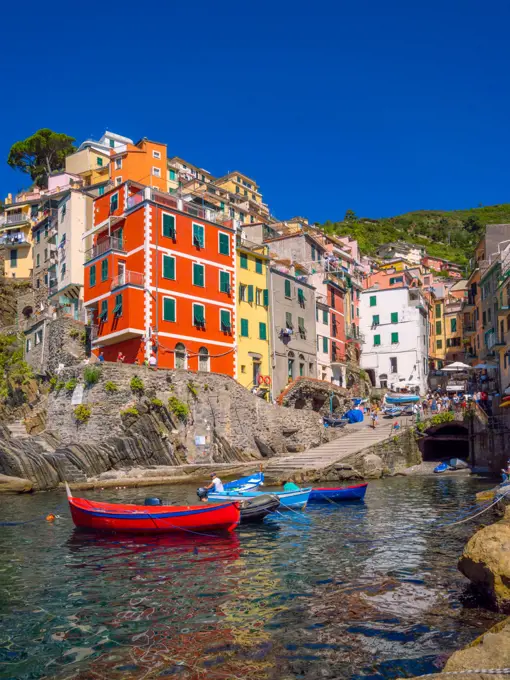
289, 500
246, 483
338, 493
138, 519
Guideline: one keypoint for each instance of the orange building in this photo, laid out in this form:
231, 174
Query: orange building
144, 162
160, 280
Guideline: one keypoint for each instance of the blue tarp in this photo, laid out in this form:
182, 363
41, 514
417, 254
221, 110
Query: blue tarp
355, 415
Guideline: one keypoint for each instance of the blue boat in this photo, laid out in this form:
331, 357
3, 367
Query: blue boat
289, 500
397, 398
442, 467
338, 493
245, 483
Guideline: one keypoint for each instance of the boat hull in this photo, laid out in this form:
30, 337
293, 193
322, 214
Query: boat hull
340, 493
140, 519
289, 500
256, 509
251, 482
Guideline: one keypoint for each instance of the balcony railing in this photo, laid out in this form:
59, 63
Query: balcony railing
14, 238
16, 218
110, 243
469, 328
128, 279
354, 334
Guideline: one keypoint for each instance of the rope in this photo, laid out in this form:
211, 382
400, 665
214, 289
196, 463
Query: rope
35, 519
488, 671
498, 498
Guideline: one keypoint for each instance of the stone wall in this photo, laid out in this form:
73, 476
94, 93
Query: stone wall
316, 395
53, 343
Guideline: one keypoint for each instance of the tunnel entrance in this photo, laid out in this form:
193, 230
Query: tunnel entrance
444, 442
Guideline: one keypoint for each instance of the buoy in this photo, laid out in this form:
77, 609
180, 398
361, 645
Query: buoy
50, 517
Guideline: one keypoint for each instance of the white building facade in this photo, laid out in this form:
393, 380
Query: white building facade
394, 323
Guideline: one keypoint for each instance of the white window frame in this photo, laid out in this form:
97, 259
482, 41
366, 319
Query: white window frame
156, 154
224, 271
172, 257
28, 345
156, 172
229, 242
162, 222
223, 309
168, 297
118, 181
197, 224
193, 305
192, 273
118, 164
208, 369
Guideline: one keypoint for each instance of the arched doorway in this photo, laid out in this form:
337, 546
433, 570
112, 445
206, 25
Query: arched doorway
180, 356
204, 360
446, 441
302, 366
290, 366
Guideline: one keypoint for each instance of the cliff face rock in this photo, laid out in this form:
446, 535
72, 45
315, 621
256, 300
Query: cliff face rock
490, 650
486, 563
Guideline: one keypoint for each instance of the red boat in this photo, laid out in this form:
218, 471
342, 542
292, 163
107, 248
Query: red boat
143, 519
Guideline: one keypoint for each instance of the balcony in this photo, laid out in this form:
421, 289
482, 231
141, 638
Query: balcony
468, 329
16, 218
417, 301
128, 279
354, 335
453, 307
14, 239
109, 244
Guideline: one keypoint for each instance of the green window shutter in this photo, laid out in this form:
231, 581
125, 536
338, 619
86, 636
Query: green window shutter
104, 310
438, 310
325, 316
92, 275
100, 191
266, 297
301, 297
262, 331
394, 317
104, 269
168, 267
114, 202
172, 174
99, 161
119, 234
392, 281
198, 274
244, 328
438, 328
325, 345
375, 320
250, 293
377, 340
198, 315
288, 291
117, 310
373, 300
288, 319
224, 244
198, 235
453, 325
243, 260
224, 282
169, 226
225, 321
168, 309
301, 327
394, 338
258, 266
439, 344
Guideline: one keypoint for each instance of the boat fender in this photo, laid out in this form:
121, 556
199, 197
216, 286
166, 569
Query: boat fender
152, 501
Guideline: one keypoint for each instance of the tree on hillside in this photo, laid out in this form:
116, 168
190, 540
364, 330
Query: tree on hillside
41, 154
350, 216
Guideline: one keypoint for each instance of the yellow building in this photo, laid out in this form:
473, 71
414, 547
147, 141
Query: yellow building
241, 185
253, 316
16, 233
92, 164
437, 338
397, 265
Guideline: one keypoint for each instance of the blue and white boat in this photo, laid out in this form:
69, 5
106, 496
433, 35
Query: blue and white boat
249, 483
289, 500
400, 398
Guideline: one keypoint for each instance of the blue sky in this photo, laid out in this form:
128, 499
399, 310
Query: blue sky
376, 107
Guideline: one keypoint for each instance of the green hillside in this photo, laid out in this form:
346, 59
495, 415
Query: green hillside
448, 234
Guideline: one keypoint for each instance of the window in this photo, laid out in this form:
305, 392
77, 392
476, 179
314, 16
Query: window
118, 181
453, 325
37, 260
156, 172
114, 201
168, 267
168, 309
375, 320
198, 315
258, 297
223, 244
237, 190
394, 317
225, 323
258, 266
288, 290
224, 282
46, 279
301, 297
198, 275
28, 345
325, 316
438, 328
439, 344
14, 258
288, 320
244, 328
265, 297
100, 191
203, 359
156, 154
39, 236
92, 275
242, 292
112, 143
169, 226
243, 261
180, 355
394, 338
117, 310
262, 331
250, 293
325, 345
63, 211
38, 337
198, 235
484, 318
103, 314
377, 340
46, 254
104, 269
393, 365
38, 283
438, 310
301, 327
373, 300
396, 279
118, 164
63, 270
172, 174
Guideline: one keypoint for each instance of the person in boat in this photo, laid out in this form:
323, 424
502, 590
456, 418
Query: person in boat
506, 472
289, 485
216, 484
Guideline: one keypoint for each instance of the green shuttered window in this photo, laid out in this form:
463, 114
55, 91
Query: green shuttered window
244, 328
168, 267
377, 340
243, 261
373, 300
262, 331
288, 291
104, 269
394, 317
198, 275
224, 282
198, 235
92, 275
394, 338
224, 244
225, 322
168, 309
169, 226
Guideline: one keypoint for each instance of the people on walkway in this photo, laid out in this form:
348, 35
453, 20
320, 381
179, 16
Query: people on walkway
374, 416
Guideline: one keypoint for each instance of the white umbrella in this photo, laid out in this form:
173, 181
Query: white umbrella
456, 366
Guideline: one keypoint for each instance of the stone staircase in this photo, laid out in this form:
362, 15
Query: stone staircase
355, 440
18, 430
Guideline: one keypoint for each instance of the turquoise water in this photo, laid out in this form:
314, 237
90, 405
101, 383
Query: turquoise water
357, 591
